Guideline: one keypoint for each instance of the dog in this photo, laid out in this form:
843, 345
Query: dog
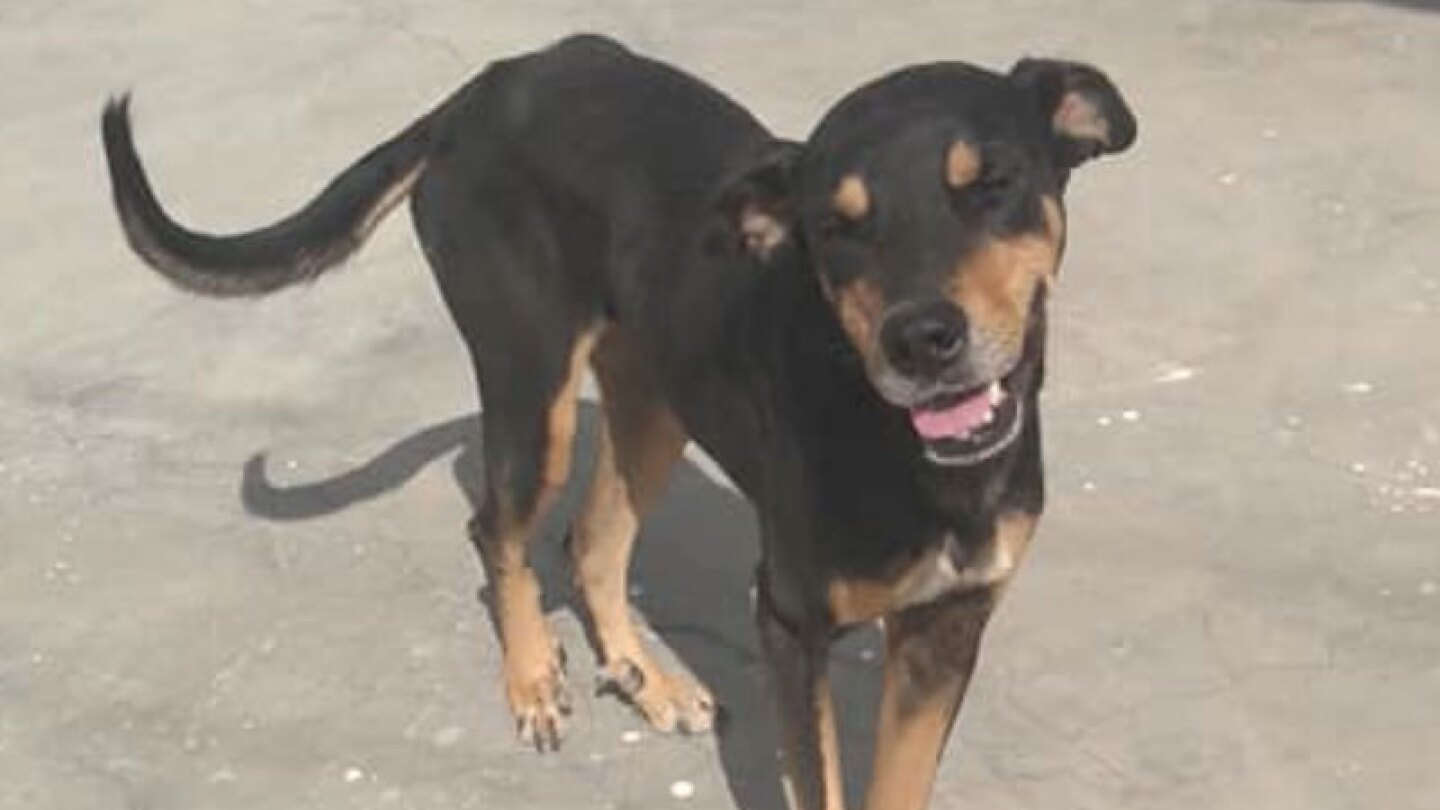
852, 326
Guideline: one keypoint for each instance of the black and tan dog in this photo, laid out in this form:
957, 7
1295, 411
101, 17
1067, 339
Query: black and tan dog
853, 327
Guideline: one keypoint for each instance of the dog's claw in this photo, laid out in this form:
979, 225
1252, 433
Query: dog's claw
543, 734
702, 717
541, 705
543, 727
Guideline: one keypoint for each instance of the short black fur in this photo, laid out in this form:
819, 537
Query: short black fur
584, 188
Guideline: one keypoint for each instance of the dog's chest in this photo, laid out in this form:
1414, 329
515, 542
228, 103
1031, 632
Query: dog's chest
945, 568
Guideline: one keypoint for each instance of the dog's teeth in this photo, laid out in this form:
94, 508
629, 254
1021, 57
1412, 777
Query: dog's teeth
987, 418
996, 393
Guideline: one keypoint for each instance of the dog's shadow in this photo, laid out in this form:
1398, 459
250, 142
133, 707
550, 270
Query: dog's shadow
691, 577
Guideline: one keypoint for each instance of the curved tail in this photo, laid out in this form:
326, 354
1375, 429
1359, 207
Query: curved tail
298, 248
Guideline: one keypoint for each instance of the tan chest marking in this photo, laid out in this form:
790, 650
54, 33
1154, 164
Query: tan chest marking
853, 601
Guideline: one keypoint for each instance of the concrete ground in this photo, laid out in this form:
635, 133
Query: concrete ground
232, 566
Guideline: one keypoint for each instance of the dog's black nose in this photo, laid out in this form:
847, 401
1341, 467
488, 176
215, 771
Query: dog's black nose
925, 339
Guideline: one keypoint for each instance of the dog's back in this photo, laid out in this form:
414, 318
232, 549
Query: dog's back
617, 153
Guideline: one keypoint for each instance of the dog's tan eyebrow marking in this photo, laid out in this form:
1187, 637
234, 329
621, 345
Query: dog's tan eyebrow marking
962, 165
851, 198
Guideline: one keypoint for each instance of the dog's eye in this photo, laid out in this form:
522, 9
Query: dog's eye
837, 226
994, 182
996, 186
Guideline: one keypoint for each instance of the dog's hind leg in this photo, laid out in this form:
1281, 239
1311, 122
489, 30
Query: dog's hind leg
492, 242
639, 446
529, 427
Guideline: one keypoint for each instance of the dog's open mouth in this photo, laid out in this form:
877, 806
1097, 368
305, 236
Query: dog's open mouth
968, 427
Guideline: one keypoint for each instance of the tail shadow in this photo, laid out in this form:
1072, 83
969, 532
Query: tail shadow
396, 465
691, 575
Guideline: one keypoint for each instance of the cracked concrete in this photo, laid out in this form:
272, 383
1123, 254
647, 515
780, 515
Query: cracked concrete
1234, 599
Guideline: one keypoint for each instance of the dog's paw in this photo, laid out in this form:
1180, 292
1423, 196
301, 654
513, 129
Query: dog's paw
667, 701
540, 703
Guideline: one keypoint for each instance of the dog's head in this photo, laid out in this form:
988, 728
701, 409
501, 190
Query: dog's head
930, 205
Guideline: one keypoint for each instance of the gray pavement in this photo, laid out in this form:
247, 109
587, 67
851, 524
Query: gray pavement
232, 566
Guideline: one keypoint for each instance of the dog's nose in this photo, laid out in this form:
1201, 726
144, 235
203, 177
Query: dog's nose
925, 339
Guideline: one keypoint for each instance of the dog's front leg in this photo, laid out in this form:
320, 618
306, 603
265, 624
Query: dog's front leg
809, 756
930, 655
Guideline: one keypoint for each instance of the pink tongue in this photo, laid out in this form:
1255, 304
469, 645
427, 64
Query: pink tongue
956, 420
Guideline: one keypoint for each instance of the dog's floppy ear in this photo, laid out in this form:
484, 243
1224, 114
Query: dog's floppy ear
1088, 115
757, 203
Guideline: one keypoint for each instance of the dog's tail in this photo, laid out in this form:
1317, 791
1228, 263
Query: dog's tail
298, 248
